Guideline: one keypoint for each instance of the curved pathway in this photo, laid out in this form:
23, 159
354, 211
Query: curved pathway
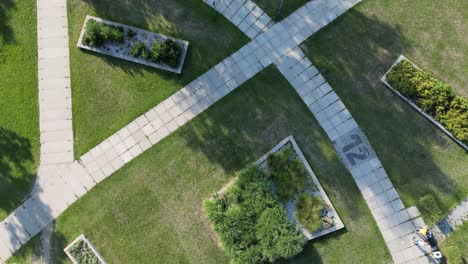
61, 181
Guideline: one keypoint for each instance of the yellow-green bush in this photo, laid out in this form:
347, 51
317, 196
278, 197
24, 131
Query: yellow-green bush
433, 97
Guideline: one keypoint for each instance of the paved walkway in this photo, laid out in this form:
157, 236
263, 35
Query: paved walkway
54, 83
396, 223
61, 181
246, 15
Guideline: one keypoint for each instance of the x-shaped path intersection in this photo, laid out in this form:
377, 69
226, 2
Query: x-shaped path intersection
61, 180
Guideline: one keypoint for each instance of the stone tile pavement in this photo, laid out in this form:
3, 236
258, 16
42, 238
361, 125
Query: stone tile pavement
60, 180
396, 223
246, 15
56, 133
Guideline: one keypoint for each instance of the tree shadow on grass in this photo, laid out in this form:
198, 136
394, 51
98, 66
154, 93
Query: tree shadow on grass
353, 53
250, 121
16, 176
187, 20
6, 32
132, 68
243, 126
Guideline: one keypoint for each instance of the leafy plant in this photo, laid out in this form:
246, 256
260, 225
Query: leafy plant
277, 237
156, 51
308, 211
170, 53
83, 254
98, 33
250, 221
432, 96
287, 173
146, 54
138, 49
429, 205
130, 33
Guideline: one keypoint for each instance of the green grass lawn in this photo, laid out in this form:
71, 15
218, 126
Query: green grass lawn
279, 9
458, 239
356, 50
28, 253
151, 210
108, 92
19, 128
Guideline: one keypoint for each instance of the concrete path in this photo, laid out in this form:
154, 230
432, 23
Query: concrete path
61, 181
55, 111
396, 223
246, 15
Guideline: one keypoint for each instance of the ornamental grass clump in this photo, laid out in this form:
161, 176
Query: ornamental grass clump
287, 173
309, 210
83, 254
433, 97
250, 221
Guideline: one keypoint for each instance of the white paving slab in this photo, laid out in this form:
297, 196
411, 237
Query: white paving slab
54, 84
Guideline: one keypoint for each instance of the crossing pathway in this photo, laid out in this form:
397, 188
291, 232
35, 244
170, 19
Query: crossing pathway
396, 223
61, 181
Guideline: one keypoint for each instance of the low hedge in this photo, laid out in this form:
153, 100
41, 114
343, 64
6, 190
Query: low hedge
251, 223
98, 33
168, 52
433, 97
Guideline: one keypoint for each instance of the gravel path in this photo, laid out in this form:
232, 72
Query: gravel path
455, 219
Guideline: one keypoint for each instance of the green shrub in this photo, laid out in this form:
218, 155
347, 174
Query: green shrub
277, 237
156, 50
98, 33
137, 49
170, 53
287, 173
428, 205
247, 217
308, 211
93, 36
130, 33
146, 54
433, 97
83, 253
456, 118
454, 255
